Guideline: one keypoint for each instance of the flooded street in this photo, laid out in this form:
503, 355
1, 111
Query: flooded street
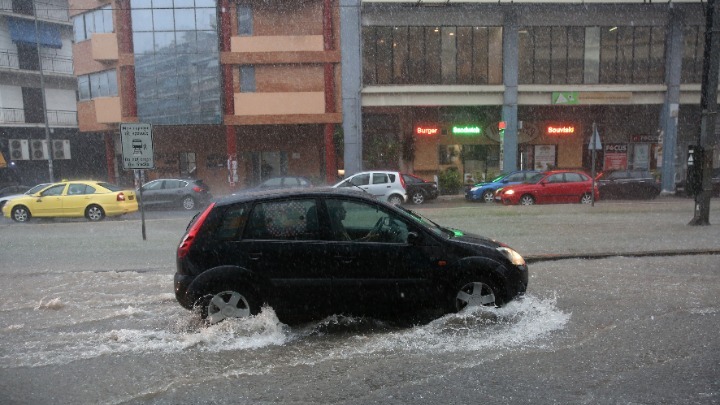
92, 318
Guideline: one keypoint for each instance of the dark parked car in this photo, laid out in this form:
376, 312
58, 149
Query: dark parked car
631, 184
314, 252
420, 190
680, 188
184, 193
486, 191
275, 183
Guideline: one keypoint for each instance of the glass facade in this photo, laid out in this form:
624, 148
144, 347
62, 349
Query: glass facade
100, 84
432, 55
100, 20
177, 67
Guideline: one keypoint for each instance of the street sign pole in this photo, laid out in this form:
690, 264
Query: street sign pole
594, 145
138, 154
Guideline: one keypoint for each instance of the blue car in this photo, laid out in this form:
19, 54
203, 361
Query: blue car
486, 191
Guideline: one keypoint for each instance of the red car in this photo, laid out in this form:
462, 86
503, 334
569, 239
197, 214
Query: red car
556, 186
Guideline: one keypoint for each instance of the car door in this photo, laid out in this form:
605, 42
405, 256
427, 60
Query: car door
77, 199
49, 203
551, 189
281, 245
575, 186
380, 185
172, 192
152, 191
381, 274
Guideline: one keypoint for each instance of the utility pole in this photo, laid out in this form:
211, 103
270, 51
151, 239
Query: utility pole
44, 102
709, 106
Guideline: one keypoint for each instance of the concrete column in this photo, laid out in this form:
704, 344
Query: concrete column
350, 43
670, 110
510, 96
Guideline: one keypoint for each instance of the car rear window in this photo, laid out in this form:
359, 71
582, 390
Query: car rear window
110, 187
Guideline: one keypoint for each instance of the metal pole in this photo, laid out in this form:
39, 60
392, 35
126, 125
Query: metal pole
593, 142
44, 102
709, 105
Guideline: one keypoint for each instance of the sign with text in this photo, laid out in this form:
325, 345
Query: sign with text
615, 156
426, 130
137, 146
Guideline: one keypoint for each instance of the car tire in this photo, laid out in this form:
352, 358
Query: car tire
94, 213
586, 198
476, 293
20, 214
418, 197
188, 203
395, 199
488, 196
527, 199
228, 302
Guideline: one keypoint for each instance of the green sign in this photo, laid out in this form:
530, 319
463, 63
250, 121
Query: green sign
466, 130
566, 97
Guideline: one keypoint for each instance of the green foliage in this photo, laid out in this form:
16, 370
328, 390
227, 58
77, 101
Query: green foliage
450, 181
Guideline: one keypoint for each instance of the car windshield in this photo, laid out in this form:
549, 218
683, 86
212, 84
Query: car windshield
499, 178
36, 189
436, 228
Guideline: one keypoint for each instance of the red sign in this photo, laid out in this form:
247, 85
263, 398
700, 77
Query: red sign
560, 129
615, 156
426, 130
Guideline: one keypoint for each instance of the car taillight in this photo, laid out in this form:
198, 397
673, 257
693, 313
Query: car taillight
120, 197
402, 181
189, 238
197, 189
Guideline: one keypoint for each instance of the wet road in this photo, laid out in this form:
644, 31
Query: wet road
87, 315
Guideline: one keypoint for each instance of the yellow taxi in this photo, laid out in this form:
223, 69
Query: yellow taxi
93, 200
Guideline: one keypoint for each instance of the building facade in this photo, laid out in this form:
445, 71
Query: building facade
37, 96
236, 91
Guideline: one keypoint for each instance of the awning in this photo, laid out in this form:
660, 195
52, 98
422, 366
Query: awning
23, 31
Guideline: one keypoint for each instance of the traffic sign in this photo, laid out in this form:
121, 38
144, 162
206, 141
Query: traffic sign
595, 140
137, 146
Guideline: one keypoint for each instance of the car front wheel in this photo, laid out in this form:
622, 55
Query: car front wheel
418, 197
228, 303
94, 213
476, 294
488, 196
395, 199
586, 198
20, 214
527, 199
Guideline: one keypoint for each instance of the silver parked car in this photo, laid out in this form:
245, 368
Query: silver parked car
384, 185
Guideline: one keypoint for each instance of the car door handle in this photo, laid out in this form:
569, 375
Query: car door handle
345, 259
255, 256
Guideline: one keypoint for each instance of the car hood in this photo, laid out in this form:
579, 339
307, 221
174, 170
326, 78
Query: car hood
10, 197
478, 240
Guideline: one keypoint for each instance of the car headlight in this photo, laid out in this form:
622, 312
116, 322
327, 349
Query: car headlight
512, 255
509, 192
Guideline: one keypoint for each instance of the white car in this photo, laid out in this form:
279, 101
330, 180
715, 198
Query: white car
32, 190
384, 185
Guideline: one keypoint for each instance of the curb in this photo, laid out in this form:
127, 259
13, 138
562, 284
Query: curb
595, 256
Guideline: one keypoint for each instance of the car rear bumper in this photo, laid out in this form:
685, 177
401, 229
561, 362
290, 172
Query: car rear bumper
181, 283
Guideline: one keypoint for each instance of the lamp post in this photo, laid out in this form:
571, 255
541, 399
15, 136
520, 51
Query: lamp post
44, 102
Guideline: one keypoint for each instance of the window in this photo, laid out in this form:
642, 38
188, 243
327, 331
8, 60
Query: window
573, 177
692, 63
632, 55
380, 178
100, 20
233, 222
245, 20
362, 223
187, 164
283, 220
100, 84
53, 191
247, 79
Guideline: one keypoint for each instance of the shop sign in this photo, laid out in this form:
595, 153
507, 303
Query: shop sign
645, 138
615, 156
560, 129
466, 130
565, 97
544, 156
426, 130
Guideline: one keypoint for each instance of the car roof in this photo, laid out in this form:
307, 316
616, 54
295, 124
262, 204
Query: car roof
245, 196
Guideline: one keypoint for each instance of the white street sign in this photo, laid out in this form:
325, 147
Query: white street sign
595, 140
137, 146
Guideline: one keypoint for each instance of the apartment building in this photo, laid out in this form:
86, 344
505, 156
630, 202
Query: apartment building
38, 95
236, 91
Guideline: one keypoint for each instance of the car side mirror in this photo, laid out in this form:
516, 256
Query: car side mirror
413, 238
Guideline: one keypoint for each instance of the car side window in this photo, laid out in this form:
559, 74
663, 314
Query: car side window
516, 177
359, 180
53, 191
172, 184
233, 221
283, 220
76, 189
555, 178
573, 177
153, 185
365, 223
379, 178
89, 190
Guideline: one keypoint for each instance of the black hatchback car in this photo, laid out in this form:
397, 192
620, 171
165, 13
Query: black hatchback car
629, 184
316, 252
419, 190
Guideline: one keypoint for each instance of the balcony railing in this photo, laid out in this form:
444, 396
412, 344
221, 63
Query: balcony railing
44, 10
50, 64
54, 117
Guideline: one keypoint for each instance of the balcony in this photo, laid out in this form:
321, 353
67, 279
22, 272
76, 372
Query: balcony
45, 11
55, 118
50, 64
281, 108
104, 47
278, 49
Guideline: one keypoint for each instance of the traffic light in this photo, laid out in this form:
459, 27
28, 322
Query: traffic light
694, 177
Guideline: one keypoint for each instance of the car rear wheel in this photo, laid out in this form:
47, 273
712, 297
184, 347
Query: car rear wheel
477, 294
488, 196
395, 199
20, 214
527, 199
188, 203
228, 303
94, 213
586, 198
418, 197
